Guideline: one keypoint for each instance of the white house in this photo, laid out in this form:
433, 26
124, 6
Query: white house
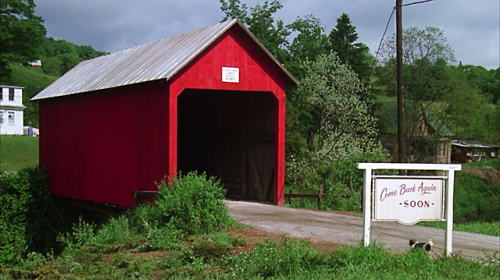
11, 110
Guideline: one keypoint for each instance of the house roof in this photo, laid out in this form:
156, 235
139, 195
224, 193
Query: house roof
154, 61
9, 86
473, 144
386, 113
437, 124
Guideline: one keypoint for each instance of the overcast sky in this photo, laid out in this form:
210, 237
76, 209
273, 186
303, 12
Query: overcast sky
471, 26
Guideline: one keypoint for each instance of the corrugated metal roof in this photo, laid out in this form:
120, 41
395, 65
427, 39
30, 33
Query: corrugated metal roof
153, 61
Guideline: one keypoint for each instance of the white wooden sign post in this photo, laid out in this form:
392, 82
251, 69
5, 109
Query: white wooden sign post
408, 199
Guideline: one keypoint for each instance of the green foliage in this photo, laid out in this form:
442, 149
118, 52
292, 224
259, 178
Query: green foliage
118, 231
342, 117
210, 247
29, 215
356, 55
17, 152
59, 56
193, 203
165, 238
476, 200
21, 32
286, 258
14, 200
82, 233
309, 44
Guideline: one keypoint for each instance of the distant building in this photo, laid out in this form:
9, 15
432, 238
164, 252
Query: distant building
36, 64
428, 132
11, 110
468, 151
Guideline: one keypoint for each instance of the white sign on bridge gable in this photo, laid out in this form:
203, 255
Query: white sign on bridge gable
408, 201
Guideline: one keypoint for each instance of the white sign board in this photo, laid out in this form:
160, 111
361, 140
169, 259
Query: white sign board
230, 75
408, 201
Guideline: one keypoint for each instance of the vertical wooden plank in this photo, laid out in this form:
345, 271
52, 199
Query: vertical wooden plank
279, 140
172, 133
253, 166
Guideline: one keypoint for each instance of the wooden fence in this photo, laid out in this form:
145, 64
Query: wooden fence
320, 195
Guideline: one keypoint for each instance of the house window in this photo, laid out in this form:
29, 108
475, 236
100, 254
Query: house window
1, 93
11, 94
11, 118
1, 116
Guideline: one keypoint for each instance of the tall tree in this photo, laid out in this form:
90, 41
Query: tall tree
343, 121
21, 33
309, 43
426, 57
356, 55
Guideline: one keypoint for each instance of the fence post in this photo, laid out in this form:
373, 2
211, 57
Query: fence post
320, 198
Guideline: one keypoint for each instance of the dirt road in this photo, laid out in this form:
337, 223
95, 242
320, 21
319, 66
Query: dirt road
344, 229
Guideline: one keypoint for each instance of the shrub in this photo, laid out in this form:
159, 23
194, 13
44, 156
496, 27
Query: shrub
342, 180
475, 199
118, 231
14, 203
193, 203
82, 233
29, 214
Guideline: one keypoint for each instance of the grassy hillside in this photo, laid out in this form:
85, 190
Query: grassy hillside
33, 80
17, 152
30, 77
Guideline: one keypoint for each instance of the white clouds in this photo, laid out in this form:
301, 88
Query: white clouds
472, 27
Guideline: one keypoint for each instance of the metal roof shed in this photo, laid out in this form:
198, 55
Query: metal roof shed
210, 100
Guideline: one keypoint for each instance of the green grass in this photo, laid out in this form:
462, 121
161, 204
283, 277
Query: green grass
17, 152
492, 228
28, 76
494, 163
214, 257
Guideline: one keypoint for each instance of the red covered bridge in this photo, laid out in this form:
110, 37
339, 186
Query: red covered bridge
210, 100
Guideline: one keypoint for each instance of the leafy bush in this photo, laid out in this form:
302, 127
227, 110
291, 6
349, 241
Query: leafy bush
14, 203
118, 231
163, 237
82, 233
29, 214
193, 203
475, 199
342, 180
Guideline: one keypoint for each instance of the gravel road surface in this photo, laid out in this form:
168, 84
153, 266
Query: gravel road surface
344, 229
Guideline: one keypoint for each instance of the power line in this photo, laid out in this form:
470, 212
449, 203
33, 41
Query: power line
381, 40
385, 31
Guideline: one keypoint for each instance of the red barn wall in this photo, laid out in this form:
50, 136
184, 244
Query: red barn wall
101, 146
257, 72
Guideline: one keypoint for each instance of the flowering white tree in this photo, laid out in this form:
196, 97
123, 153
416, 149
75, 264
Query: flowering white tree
343, 124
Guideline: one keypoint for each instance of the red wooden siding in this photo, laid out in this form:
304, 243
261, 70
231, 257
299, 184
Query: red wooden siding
101, 146
256, 73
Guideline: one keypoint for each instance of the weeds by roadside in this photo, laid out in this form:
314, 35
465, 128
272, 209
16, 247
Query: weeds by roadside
165, 240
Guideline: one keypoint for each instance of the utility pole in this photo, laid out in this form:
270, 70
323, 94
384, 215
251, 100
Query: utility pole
401, 103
